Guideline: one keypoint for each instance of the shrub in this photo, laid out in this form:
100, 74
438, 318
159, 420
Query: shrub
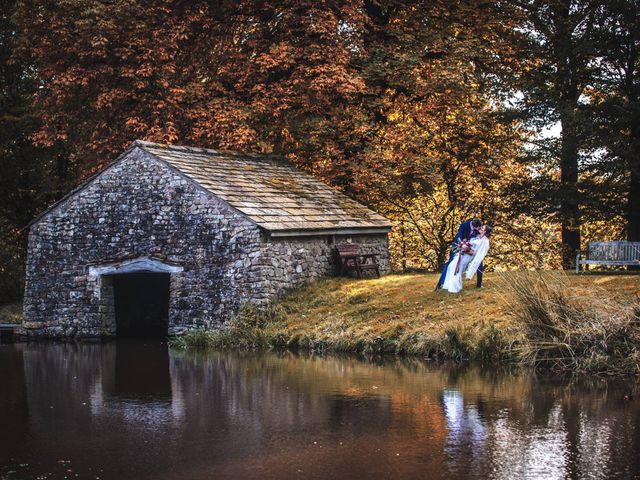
11, 313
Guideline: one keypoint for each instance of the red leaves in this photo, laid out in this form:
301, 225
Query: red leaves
189, 73
311, 79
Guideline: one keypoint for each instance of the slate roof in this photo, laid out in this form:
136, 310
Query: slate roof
271, 192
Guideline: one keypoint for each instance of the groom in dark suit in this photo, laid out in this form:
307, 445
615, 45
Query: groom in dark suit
467, 231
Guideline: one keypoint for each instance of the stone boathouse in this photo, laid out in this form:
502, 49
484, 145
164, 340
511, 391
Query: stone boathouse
169, 238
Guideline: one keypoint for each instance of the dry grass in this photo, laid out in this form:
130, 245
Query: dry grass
394, 314
401, 314
579, 329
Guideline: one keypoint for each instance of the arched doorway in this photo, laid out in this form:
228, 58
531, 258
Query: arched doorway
134, 297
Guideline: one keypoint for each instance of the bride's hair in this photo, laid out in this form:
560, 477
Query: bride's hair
487, 231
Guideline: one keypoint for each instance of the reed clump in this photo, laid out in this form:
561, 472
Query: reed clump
251, 328
569, 329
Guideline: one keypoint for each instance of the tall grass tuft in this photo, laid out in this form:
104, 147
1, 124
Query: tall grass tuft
197, 339
566, 329
251, 328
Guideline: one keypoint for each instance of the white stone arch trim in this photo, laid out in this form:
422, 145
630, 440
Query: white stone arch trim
140, 264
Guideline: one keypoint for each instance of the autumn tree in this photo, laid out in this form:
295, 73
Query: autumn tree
394, 102
246, 75
437, 142
404, 105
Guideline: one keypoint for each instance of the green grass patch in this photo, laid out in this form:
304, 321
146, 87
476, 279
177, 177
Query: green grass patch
251, 328
11, 313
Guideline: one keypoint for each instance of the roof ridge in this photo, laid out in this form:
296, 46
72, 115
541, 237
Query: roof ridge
189, 149
297, 201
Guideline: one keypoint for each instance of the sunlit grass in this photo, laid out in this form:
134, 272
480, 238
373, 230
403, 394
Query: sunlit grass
395, 314
401, 314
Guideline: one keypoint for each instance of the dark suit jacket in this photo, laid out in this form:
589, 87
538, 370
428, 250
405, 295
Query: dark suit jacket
465, 232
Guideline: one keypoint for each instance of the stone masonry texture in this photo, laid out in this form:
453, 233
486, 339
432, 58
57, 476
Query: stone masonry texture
141, 207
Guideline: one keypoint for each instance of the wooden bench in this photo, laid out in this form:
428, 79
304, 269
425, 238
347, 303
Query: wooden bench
352, 261
609, 253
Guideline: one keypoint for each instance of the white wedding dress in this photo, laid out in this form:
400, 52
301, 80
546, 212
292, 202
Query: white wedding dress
469, 263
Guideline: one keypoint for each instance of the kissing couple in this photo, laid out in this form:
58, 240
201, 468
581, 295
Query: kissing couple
467, 253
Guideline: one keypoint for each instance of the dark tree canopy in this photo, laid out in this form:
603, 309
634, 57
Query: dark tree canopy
429, 111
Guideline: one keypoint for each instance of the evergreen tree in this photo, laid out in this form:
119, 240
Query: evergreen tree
616, 101
556, 38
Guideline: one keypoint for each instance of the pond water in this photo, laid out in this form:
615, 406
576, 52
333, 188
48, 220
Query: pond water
137, 410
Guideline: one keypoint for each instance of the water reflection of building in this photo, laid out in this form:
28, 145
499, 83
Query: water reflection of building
129, 403
135, 384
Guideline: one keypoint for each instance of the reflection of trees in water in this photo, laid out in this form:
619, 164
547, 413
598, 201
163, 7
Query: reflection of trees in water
255, 415
602, 430
269, 389
61, 379
466, 420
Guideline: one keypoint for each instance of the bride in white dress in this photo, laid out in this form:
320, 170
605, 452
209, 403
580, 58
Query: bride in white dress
468, 261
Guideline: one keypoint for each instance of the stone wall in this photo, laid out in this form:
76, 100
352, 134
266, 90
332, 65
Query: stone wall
139, 207
287, 262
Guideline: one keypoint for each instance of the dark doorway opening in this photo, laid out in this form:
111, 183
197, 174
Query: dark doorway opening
141, 304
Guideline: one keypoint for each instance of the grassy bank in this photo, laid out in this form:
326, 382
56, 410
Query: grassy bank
11, 313
555, 321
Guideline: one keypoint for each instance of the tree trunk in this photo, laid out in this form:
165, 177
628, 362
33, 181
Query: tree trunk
403, 236
633, 202
569, 199
442, 255
633, 164
569, 92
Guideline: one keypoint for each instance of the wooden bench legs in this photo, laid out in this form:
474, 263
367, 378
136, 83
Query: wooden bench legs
351, 261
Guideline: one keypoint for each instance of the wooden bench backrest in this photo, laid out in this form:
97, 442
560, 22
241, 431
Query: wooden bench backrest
614, 251
348, 249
